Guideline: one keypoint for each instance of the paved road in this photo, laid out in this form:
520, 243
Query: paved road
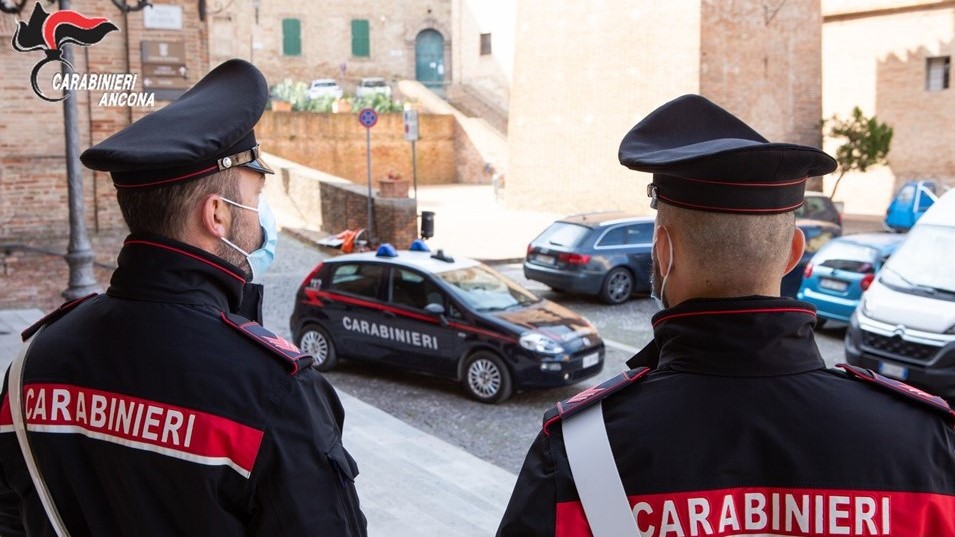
499, 433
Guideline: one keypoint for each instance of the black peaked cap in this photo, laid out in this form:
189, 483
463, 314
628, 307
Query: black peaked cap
702, 157
206, 130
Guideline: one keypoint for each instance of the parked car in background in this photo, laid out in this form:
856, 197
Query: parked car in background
818, 206
905, 325
909, 204
605, 254
818, 233
372, 85
451, 317
842, 270
324, 87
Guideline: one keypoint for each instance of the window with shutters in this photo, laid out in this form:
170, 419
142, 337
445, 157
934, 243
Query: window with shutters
291, 37
360, 40
936, 73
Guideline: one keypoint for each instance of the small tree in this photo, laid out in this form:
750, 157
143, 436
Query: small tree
865, 143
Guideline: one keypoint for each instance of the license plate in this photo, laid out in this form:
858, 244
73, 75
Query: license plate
591, 360
894, 371
833, 285
546, 259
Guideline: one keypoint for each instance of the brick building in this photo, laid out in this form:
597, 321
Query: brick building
901, 77
399, 39
586, 72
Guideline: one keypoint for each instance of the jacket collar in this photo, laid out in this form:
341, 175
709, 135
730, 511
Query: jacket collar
750, 336
151, 267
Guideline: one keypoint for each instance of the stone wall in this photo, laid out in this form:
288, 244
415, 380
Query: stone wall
336, 144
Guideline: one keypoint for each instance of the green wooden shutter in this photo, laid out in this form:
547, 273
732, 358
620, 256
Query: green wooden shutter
291, 37
360, 42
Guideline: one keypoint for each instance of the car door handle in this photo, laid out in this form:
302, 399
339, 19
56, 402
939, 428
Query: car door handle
390, 315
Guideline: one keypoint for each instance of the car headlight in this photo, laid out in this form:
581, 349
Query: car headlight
539, 343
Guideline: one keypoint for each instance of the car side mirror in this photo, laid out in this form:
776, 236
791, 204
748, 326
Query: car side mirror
438, 310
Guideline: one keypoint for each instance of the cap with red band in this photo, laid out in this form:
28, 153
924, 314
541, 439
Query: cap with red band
704, 158
206, 130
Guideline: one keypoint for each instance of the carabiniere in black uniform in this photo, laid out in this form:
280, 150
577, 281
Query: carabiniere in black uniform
729, 422
693, 464
195, 420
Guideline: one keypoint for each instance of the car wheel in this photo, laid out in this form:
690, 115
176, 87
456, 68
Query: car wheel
486, 378
617, 287
315, 341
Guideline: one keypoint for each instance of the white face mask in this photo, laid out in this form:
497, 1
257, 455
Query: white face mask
660, 297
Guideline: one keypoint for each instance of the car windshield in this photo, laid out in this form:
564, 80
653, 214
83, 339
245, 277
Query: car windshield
326, 84
485, 290
373, 83
847, 256
563, 234
924, 263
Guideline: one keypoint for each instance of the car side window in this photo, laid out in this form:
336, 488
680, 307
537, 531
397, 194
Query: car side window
357, 279
413, 290
639, 234
613, 237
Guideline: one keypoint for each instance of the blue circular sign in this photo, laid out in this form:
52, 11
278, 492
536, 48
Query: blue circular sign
368, 117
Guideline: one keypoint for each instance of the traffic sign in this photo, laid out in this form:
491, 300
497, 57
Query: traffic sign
411, 125
368, 117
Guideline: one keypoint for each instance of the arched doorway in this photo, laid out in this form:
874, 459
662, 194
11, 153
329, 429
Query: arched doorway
429, 59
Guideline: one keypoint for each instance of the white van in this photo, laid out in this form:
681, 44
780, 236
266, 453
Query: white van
905, 325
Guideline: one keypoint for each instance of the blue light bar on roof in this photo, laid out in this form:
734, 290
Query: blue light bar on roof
419, 246
386, 250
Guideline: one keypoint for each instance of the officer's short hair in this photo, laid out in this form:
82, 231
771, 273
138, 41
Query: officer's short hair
164, 210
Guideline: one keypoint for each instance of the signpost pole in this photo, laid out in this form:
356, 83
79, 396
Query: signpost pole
371, 226
368, 117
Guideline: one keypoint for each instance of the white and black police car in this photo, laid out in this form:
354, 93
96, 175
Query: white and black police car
453, 317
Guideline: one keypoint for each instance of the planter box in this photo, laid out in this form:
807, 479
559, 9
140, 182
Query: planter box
392, 188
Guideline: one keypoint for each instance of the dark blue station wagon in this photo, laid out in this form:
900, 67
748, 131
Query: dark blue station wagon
604, 254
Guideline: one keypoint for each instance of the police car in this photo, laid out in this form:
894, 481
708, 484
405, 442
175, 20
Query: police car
453, 317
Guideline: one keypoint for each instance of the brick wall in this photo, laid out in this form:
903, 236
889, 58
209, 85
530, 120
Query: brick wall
336, 144
345, 206
763, 64
33, 190
34, 213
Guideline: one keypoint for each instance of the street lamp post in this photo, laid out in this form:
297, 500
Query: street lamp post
79, 255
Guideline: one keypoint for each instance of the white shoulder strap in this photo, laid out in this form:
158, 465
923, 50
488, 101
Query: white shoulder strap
596, 476
19, 425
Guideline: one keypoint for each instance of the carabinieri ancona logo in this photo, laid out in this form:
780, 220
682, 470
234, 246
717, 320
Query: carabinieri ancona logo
51, 32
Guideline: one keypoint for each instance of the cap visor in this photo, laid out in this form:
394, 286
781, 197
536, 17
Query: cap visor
259, 165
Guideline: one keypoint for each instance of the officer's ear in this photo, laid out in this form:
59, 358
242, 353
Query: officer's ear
215, 216
796, 248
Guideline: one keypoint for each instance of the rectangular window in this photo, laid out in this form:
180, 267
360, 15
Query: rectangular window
485, 44
360, 41
291, 37
936, 73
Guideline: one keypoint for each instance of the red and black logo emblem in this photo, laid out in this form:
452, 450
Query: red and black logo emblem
50, 32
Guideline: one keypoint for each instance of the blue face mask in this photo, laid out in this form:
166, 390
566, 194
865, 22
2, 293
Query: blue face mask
259, 259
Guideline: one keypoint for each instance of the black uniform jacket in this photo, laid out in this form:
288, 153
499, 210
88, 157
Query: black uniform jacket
154, 411
741, 430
